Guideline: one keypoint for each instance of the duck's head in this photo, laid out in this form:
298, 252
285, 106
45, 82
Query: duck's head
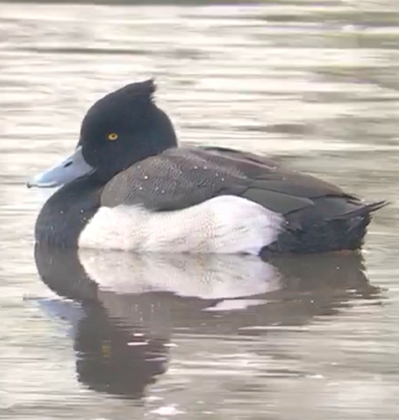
120, 129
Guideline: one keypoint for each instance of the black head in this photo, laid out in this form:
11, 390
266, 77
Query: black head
124, 127
119, 130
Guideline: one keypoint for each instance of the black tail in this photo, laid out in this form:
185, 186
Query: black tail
365, 210
343, 232
356, 225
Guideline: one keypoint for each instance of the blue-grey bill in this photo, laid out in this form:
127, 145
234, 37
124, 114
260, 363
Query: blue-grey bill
72, 168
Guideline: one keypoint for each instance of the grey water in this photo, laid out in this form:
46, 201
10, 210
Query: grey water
314, 83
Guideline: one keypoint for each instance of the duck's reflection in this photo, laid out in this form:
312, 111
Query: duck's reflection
125, 308
117, 359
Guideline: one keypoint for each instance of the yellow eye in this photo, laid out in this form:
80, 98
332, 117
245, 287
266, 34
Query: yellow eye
112, 136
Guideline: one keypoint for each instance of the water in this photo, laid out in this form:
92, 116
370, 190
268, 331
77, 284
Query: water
314, 83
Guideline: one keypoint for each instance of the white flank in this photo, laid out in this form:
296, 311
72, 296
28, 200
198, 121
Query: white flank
224, 224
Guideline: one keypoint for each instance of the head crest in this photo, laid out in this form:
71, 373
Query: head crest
118, 102
144, 90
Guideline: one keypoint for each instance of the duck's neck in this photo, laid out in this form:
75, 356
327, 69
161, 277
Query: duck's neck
66, 212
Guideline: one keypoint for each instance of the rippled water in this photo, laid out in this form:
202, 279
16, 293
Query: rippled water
315, 83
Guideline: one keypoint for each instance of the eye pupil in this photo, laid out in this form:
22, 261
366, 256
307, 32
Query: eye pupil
112, 136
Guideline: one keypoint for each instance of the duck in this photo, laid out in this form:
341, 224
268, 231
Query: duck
129, 186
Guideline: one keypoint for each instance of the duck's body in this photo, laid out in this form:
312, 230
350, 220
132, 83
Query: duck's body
141, 192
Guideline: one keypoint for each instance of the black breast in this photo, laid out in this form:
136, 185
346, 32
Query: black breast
65, 214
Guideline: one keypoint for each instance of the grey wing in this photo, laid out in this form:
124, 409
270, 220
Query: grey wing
175, 179
183, 177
